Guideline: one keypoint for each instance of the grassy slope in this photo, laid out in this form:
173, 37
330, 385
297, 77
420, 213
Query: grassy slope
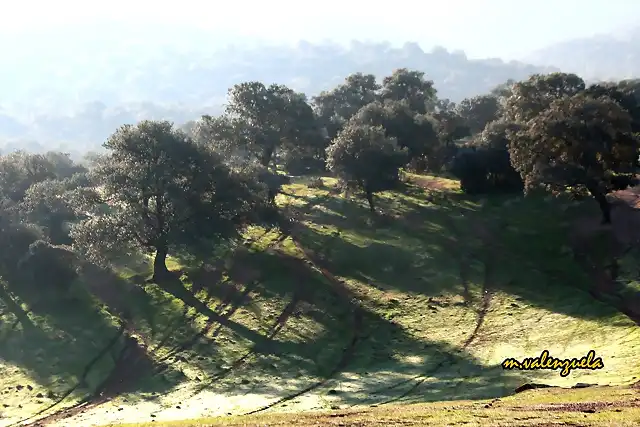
531, 408
418, 339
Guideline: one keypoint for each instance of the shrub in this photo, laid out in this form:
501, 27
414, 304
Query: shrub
483, 170
15, 240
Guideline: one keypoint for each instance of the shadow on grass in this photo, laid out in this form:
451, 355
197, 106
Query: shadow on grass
78, 342
417, 247
445, 373
417, 252
59, 337
298, 358
300, 362
273, 276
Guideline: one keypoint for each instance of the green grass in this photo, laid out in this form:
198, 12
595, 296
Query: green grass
419, 341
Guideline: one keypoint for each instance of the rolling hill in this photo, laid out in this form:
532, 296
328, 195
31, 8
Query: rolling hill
341, 312
601, 57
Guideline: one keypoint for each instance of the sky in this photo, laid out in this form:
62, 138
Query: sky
509, 29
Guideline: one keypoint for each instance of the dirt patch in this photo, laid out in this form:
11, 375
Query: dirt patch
429, 183
579, 406
630, 196
532, 386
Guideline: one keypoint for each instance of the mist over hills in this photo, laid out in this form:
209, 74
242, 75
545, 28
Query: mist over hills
601, 57
71, 89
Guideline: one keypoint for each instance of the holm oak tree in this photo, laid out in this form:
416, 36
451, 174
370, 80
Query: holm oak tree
578, 141
363, 157
164, 192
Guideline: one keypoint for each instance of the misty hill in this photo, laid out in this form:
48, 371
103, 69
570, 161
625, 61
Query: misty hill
602, 57
76, 87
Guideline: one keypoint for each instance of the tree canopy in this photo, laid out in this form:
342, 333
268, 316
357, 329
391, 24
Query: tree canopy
363, 157
578, 140
165, 192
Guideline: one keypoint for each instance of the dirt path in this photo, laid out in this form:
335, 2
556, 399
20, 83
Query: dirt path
126, 372
357, 323
589, 407
482, 232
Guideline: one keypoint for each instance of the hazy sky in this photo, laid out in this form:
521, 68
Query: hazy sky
505, 28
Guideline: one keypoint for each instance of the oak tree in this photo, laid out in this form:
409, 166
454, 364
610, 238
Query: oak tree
578, 141
364, 158
410, 87
164, 192
334, 108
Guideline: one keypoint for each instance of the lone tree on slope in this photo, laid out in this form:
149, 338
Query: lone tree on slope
363, 157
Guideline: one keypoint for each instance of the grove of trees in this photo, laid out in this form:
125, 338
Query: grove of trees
162, 190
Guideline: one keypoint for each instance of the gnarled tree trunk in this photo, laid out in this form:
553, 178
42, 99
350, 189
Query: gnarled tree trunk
160, 270
369, 194
603, 203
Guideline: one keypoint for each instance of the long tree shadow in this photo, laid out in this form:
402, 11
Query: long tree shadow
300, 360
304, 362
65, 332
77, 343
418, 249
21, 316
271, 276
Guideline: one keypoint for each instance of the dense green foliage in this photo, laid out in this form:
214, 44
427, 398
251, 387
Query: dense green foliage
163, 190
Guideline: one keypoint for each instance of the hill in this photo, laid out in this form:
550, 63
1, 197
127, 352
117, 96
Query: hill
601, 57
342, 311
85, 82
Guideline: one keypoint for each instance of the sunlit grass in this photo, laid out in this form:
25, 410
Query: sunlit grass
519, 410
404, 268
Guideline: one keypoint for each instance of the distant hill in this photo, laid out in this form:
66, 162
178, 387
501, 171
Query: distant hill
602, 57
78, 87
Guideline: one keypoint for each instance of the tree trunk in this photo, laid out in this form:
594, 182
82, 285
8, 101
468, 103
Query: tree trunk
370, 200
160, 270
605, 206
267, 155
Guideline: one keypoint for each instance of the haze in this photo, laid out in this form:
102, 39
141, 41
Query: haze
492, 28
